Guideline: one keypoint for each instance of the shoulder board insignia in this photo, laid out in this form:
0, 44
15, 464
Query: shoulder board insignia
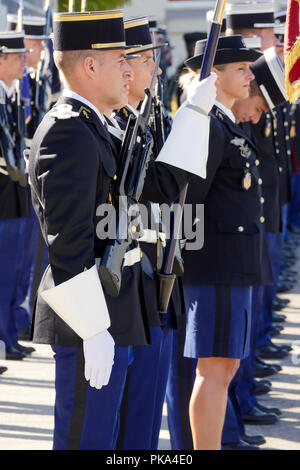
63, 111
85, 111
125, 112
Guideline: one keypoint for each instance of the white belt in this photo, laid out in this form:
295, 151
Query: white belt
28, 142
152, 236
131, 257
2, 161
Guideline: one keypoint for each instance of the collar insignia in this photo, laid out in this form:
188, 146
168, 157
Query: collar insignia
125, 112
220, 114
85, 111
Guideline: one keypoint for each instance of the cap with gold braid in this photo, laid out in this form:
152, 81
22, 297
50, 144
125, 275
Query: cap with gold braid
12, 42
103, 30
137, 31
33, 26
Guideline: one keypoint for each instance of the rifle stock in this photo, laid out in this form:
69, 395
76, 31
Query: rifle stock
134, 157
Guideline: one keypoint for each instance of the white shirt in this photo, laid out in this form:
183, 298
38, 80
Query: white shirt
227, 111
8, 90
133, 110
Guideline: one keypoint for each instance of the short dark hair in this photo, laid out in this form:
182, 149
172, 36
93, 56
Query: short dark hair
254, 89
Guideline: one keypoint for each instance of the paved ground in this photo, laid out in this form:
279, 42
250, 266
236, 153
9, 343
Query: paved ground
27, 395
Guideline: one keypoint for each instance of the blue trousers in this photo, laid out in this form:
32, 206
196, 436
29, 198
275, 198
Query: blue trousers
179, 389
274, 241
233, 428
245, 386
294, 206
142, 405
87, 418
10, 243
26, 272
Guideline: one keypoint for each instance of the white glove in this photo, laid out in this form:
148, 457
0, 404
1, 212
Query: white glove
99, 358
202, 94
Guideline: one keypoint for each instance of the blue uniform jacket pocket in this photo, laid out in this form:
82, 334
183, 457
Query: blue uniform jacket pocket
238, 246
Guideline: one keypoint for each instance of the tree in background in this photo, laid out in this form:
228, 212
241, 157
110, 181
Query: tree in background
92, 5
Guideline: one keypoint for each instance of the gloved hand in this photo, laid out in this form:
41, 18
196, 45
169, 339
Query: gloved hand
202, 94
99, 354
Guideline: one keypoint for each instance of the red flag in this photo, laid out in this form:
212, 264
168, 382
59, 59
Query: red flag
292, 50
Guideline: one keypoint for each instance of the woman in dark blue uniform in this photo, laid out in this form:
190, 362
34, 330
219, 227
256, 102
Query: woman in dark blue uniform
218, 278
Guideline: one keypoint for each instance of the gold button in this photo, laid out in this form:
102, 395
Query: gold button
262, 219
260, 181
240, 228
256, 162
262, 200
280, 169
247, 165
115, 177
133, 229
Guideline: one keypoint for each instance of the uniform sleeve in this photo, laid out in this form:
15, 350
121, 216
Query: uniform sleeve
67, 173
199, 187
164, 182
68, 169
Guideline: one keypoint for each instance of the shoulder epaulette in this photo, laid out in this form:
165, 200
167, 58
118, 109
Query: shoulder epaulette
63, 111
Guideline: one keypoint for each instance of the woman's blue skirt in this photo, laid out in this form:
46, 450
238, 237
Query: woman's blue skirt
218, 321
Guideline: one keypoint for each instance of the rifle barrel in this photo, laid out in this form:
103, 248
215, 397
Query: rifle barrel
212, 40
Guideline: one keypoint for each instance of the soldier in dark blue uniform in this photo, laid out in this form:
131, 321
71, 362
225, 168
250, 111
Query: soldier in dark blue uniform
34, 31
218, 293
35, 37
72, 166
81, 123
141, 410
258, 19
14, 207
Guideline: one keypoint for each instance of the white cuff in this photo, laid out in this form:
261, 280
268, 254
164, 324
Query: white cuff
187, 144
80, 302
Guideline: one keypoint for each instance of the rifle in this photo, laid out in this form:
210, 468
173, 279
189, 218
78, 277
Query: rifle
133, 162
162, 120
6, 140
166, 276
40, 98
21, 118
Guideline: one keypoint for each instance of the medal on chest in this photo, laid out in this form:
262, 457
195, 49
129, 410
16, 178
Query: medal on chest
268, 126
247, 180
245, 153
